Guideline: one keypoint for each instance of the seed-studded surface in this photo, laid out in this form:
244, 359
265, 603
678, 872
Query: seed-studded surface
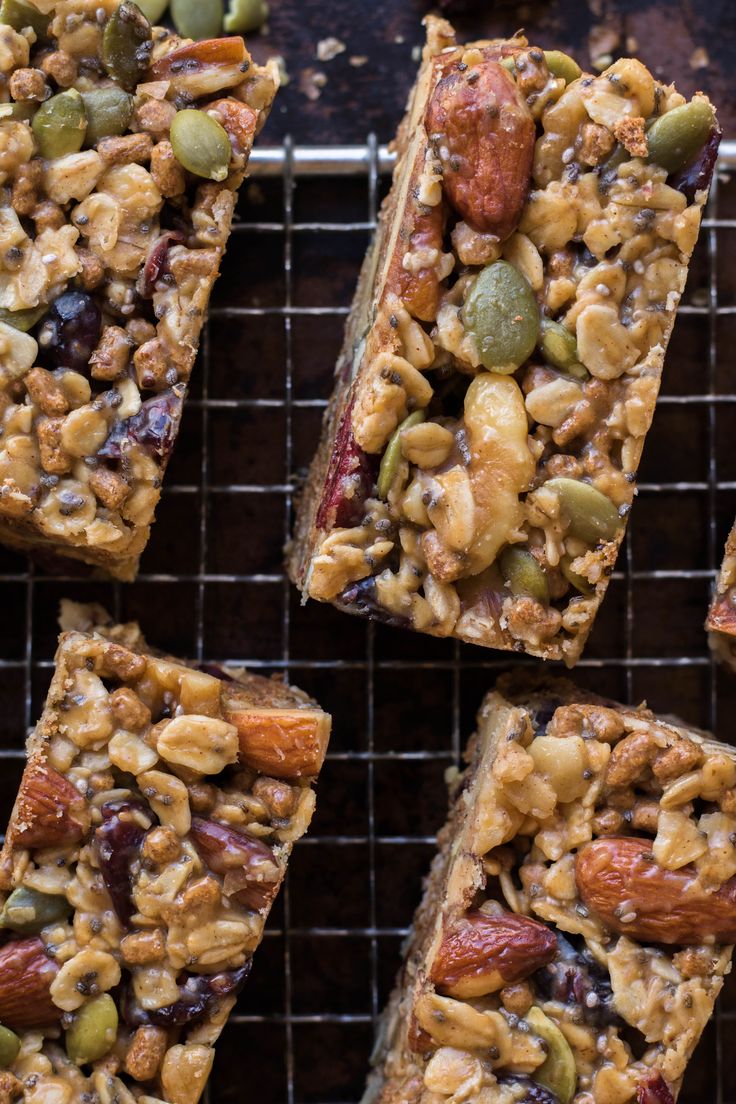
211, 585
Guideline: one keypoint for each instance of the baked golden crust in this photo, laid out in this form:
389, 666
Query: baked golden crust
721, 620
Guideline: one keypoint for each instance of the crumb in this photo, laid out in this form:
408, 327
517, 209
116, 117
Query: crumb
311, 83
603, 41
284, 77
399, 39
329, 48
632, 44
356, 60
602, 62
416, 53
699, 58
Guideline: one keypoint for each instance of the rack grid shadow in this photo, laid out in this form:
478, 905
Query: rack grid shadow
211, 585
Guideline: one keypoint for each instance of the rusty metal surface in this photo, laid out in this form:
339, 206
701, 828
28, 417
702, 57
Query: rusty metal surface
212, 585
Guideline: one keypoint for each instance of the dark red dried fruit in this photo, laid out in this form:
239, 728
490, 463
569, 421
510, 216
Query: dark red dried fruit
697, 176
154, 427
574, 977
70, 332
157, 262
654, 1090
251, 875
350, 479
199, 996
534, 1093
119, 839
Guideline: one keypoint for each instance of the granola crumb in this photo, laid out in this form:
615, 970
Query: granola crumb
329, 48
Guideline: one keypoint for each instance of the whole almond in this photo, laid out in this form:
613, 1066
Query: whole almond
49, 810
484, 134
481, 953
26, 973
633, 895
283, 743
251, 874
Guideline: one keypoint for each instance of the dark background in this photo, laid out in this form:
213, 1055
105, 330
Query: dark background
211, 582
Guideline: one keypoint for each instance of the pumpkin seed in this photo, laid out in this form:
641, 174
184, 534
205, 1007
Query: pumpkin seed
19, 14
557, 1073
108, 111
197, 18
560, 349
578, 581
9, 1047
591, 516
246, 15
93, 1031
501, 313
675, 138
509, 63
200, 144
60, 124
392, 455
153, 9
29, 910
127, 44
523, 574
562, 65
24, 111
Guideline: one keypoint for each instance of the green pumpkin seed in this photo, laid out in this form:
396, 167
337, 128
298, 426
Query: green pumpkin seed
674, 139
557, 1073
200, 144
523, 574
508, 63
127, 44
560, 349
197, 19
9, 1047
18, 14
153, 9
93, 1031
29, 910
245, 16
501, 313
591, 516
562, 65
23, 320
578, 581
392, 455
108, 111
23, 111
60, 124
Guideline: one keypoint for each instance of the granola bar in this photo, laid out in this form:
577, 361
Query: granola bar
721, 622
150, 835
505, 348
576, 925
121, 150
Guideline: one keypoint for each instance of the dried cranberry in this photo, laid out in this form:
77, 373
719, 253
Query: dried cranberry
198, 996
157, 262
361, 598
349, 481
576, 978
534, 1092
654, 1090
698, 175
154, 427
70, 331
119, 840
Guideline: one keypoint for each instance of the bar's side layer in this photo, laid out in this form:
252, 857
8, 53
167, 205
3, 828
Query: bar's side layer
122, 148
506, 346
721, 621
148, 840
578, 920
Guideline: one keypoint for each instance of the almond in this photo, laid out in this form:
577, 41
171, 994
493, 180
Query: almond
49, 810
202, 68
26, 974
620, 882
250, 872
722, 616
484, 135
420, 290
283, 743
481, 953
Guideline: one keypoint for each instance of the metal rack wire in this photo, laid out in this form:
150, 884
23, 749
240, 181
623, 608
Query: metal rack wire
402, 705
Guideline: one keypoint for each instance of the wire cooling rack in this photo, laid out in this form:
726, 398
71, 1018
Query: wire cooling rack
211, 585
